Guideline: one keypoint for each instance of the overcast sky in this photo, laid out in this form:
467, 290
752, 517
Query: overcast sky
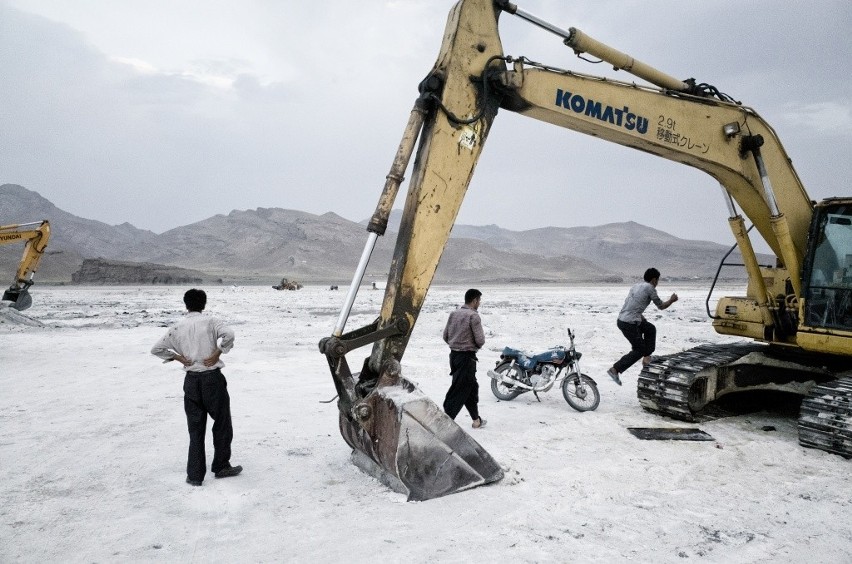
163, 113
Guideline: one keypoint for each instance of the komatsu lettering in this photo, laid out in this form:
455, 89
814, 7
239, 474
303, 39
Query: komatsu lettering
621, 117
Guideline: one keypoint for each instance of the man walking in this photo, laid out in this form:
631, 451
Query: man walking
464, 334
639, 331
196, 342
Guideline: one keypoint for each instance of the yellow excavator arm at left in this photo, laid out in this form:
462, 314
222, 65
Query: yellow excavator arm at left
36, 235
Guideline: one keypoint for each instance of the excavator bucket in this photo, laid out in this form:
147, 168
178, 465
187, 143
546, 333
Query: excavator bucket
20, 299
402, 438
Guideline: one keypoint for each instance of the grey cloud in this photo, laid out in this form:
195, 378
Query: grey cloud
159, 149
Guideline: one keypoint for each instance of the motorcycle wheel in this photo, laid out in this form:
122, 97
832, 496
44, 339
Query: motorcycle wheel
581, 392
502, 391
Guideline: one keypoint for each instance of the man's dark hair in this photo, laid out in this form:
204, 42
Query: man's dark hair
651, 273
195, 300
471, 295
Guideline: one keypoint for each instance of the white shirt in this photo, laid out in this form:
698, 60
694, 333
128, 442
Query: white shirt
195, 337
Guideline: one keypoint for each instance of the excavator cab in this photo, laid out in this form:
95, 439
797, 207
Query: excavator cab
827, 270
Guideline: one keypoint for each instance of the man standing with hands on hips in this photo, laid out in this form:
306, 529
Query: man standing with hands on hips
640, 332
196, 342
464, 334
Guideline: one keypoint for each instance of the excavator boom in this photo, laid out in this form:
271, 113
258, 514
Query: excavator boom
397, 432
35, 235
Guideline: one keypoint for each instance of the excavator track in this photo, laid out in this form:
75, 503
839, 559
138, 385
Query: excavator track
675, 385
825, 418
668, 385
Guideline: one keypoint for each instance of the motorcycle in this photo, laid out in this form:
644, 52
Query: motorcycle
517, 372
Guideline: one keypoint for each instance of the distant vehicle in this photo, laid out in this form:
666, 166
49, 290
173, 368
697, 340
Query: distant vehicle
288, 285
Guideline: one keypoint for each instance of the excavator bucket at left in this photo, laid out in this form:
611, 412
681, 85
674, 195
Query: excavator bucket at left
20, 299
402, 438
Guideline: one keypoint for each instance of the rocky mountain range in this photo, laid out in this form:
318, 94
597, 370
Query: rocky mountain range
262, 245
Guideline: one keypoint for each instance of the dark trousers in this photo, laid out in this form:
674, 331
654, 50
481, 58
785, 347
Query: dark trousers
206, 393
642, 337
464, 390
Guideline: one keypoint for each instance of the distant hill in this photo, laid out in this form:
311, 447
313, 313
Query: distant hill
88, 237
628, 248
625, 249
265, 244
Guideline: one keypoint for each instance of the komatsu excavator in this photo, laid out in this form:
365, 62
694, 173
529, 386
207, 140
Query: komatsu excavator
36, 235
796, 315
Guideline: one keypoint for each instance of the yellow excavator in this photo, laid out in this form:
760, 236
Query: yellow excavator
35, 234
796, 316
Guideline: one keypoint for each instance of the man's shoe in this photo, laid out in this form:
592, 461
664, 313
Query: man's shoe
614, 375
192, 482
479, 423
229, 471
649, 359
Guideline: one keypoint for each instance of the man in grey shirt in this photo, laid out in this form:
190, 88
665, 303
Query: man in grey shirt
639, 331
464, 334
196, 342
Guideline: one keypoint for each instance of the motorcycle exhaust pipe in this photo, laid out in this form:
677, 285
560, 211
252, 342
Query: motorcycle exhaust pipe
500, 378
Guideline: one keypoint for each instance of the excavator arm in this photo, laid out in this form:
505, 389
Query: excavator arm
396, 432
36, 235
472, 79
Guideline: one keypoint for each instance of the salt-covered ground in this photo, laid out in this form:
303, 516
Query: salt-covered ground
93, 446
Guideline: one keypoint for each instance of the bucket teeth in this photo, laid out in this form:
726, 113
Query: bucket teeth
403, 439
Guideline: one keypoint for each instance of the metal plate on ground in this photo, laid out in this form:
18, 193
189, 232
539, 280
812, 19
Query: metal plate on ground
669, 434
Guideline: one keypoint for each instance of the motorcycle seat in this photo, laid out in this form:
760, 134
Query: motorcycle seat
520, 357
528, 362
509, 351
552, 355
